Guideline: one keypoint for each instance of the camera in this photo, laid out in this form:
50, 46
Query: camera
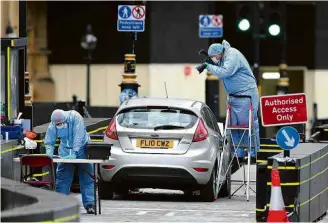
207, 59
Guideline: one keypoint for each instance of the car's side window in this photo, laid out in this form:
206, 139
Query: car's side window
207, 118
213, 119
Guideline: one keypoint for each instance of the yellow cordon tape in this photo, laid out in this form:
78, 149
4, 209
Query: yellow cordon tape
64, 219
91, 132
42, 140
304, 181
40, 174
12, 149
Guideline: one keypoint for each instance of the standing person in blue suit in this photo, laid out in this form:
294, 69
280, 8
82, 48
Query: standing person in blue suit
69, 127
232, 68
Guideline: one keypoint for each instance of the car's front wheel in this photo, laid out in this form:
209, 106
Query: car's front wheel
210, 192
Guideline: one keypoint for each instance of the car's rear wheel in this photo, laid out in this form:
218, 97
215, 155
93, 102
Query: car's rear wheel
210, 192
106, 190
122, 191
225, 189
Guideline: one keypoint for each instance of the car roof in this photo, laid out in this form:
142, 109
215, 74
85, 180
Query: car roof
158, 101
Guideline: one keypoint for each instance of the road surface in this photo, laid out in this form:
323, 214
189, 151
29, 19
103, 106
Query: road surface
150, 205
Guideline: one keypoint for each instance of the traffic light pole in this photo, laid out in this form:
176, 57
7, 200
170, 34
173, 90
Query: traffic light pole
283, 82
256, 41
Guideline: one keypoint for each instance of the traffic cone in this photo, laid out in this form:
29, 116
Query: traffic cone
277, 211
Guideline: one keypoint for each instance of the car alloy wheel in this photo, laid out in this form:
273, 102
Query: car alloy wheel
215, 182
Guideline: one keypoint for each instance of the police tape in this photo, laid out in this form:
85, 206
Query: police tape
91, 132
12, 149
64, 219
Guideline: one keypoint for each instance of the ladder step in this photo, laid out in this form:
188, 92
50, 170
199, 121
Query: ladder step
237, 128
243, 146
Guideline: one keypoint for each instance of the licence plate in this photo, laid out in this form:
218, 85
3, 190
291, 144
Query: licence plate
155, 143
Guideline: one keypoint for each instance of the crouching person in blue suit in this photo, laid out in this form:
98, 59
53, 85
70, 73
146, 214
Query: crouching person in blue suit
69, 127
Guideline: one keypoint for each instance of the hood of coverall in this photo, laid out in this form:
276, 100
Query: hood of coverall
227, 48
226, 45
59, 116
217, 48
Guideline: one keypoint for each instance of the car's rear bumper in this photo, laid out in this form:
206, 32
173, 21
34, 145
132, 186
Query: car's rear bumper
154, 177
158, 170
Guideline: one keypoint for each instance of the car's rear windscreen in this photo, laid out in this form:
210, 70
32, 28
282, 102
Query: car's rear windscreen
151, 117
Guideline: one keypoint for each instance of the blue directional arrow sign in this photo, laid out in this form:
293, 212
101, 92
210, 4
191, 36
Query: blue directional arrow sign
287, 138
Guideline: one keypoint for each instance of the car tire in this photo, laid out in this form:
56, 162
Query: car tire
225, 190
188, 195
208, 193
122, 192
106, 190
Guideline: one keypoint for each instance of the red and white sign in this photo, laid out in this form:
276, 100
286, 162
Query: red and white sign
187, 71
217, 20
283, 109
138, 12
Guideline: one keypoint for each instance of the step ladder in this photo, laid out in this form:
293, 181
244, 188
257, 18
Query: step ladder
229, 145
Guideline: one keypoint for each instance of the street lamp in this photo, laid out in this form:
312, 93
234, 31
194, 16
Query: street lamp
88, 42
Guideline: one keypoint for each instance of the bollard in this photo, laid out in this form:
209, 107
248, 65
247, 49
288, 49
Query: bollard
129, 85
212, 94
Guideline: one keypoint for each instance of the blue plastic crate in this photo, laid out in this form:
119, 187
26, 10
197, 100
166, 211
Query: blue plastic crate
14, 132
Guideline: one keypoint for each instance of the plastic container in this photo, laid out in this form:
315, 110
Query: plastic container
14, 132
2, 112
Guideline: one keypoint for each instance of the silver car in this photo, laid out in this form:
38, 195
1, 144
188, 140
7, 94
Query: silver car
164, 143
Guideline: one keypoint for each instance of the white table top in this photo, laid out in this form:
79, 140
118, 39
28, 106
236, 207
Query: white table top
57, 160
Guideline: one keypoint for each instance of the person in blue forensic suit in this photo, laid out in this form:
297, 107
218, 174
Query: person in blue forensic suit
69, 127
232, 68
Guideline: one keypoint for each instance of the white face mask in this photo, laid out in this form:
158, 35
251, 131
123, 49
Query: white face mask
62, 126
215, 60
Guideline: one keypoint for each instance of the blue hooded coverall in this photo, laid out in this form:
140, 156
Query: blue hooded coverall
73, 140
237, 77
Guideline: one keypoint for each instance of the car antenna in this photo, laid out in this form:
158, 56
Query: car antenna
166, 90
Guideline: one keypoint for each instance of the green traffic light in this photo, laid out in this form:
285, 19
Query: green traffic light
244, 25
274, 30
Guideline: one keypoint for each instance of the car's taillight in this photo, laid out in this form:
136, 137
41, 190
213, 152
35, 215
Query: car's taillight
201, 132
201, 170
108, 167
111, 130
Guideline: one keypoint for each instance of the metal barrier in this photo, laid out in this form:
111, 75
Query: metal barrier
304, 183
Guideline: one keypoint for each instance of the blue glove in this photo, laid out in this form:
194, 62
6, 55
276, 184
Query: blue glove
206, 64
70, 156
49, 152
